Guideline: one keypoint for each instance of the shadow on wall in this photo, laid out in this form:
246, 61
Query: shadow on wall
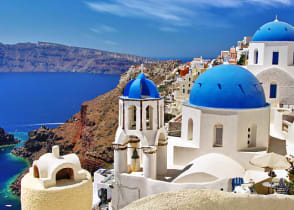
277, 146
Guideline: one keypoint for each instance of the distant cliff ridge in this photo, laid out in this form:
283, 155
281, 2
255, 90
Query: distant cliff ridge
50, 57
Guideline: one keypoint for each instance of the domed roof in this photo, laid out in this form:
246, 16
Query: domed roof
228, 87
141, 88
274, 31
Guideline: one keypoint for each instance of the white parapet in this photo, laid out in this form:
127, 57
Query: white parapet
120, 157
149, 162
162, 158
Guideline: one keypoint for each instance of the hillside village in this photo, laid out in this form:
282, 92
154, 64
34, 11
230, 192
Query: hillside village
224, 125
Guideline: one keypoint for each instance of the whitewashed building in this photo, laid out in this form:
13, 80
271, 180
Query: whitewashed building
271, 60
225, 122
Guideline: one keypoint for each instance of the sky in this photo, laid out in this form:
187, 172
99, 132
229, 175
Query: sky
153, 28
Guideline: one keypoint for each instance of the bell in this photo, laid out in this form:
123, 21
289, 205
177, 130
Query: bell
135, 154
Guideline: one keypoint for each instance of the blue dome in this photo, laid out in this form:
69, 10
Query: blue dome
228, 87
141, 88
274, 31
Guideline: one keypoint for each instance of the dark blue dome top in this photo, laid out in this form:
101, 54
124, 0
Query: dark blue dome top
141, 88
274, 31
228, 87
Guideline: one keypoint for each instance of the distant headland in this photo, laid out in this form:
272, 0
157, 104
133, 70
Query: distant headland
7, 139
51, 57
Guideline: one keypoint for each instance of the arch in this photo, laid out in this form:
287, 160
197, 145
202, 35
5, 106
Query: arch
65, 173
134, 156
256, 56
282, 78
252, 131
273, 90
132, 117
149, 117
190, 130
218, 135
36, 172
121, 137
160, 136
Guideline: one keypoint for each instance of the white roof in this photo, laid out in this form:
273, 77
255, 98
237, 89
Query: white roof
215, 165
49, 164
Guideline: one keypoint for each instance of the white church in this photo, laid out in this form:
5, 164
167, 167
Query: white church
232, 115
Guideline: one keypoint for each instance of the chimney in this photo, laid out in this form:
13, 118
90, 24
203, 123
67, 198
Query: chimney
55, 151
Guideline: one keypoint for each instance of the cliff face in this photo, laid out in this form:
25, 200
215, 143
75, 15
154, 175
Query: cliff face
49, 57
7, 139
90, 132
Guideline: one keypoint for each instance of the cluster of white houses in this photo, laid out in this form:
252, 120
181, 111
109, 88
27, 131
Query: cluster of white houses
233, 113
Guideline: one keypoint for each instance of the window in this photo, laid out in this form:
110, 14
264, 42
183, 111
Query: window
252, 136
183, 90
66, 173
218, 136
36, 172
256, 57
149, 117
190, 129
132, 118
275, 58
273, 90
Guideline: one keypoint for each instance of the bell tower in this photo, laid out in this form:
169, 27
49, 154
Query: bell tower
140, 142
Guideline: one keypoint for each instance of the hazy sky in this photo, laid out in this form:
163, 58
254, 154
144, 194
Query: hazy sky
155, 28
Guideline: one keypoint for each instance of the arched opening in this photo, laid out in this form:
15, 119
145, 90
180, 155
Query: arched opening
132, 117
149, 117
65, 173
273, 90
252, 136
275, 60
190, 130
134, 154
36, 172
256, 56
218, 135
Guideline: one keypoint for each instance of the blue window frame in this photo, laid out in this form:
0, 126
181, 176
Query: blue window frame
273, 91
275, 58
256, 57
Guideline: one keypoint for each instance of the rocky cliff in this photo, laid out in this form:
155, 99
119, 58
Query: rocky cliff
90, 132
7, 139
50, 57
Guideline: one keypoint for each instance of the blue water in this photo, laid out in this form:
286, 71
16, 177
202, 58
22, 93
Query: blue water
36, 98
29, 100
10, 167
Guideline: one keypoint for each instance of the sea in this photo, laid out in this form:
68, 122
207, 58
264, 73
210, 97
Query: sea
30, 100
